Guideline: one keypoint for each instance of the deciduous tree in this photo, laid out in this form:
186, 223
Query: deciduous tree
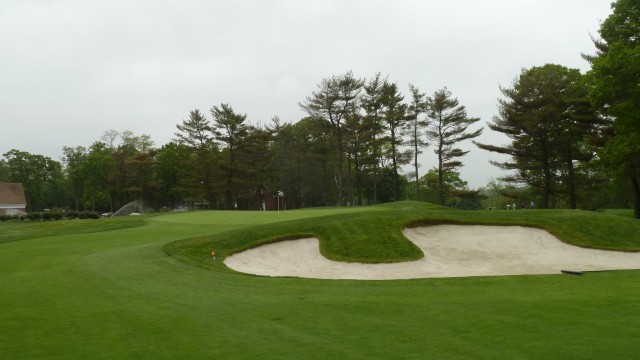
615, 87
37, 174
75, 161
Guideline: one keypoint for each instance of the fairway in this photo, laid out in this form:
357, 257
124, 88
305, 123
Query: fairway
120, 294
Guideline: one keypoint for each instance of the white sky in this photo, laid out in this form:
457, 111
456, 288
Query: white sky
72, 69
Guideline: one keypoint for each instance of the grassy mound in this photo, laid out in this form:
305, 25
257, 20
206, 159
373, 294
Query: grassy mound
374, 234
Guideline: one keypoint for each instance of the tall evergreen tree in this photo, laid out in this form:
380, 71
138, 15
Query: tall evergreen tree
417, 107
304, 153
170, 172
358, 136
395, 118
336, 99
230, 129
196, 134
544, 114
259, 163
449, 124
371, 102
195, 131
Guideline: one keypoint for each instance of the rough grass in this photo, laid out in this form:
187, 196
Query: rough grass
116, 295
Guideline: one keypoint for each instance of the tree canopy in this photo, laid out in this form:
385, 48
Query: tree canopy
615, 87
548, 119
573, 139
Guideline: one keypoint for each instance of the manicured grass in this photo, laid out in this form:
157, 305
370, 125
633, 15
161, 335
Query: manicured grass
376, 237
620, 212
117, 295
14, 231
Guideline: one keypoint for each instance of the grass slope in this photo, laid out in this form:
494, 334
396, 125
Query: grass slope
116, 294
375, 236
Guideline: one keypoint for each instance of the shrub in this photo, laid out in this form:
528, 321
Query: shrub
88, 215
33, 216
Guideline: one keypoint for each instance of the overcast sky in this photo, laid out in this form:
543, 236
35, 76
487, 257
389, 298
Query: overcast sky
71, 70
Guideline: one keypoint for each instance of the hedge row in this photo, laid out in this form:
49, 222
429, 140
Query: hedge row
50, 215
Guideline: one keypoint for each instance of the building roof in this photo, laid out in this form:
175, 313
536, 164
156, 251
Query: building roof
12, 194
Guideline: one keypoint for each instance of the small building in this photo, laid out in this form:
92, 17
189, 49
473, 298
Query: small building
12, 199
263, 199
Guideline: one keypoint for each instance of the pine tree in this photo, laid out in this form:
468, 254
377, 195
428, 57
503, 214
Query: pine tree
449, 123
229, 129
195, 131
547, 117
395, 118
336, 99
417, 107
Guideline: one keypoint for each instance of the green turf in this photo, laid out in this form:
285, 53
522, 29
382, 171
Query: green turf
14, 231
620, 212
117, 295
375, 237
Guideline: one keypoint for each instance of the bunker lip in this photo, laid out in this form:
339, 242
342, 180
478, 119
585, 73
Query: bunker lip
450, 251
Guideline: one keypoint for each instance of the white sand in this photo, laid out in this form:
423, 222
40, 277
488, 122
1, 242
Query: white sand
450, 251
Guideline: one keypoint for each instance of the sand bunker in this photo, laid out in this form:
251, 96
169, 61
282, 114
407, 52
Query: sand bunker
450, 251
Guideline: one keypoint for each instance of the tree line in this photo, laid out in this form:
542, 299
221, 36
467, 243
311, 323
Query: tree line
573, 142
576, 138
348, 151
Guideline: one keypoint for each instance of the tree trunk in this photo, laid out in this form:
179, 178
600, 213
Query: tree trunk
546, 187
440, 177
573, 202
325, 183
375, 170
415, 165
339, 180
636, 198
396, 184
340, 162
349, 176
358, 190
